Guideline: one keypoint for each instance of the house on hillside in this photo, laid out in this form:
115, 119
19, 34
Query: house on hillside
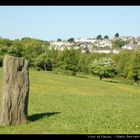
129, 47
85, 40
102, 51
60, 45
130, 39
104, 43
138, 40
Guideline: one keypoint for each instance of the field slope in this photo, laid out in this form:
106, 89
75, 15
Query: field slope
61, 104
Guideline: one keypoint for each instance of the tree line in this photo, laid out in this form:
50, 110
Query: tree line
125, 64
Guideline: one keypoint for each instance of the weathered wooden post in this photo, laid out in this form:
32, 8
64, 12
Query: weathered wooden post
15, 91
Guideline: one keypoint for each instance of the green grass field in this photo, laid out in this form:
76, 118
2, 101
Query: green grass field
60, 104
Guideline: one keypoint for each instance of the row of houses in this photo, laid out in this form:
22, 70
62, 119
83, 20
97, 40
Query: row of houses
96, 45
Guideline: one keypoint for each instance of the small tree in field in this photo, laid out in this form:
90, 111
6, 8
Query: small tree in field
104, 68
69, 60
134, 67
43, 62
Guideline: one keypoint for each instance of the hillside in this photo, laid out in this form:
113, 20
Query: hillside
60, 104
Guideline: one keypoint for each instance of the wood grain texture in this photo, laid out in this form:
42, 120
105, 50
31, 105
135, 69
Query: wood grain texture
15, 91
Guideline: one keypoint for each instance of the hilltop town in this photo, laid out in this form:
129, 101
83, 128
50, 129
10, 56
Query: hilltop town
99, 44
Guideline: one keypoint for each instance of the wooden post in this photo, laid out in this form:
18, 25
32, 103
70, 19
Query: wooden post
15, 91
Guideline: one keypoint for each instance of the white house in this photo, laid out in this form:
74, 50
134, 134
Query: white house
138, 40
131, 39
104, 43
129, 46
84, 40
101, 51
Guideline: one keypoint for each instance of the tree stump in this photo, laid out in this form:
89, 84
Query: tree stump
15, 91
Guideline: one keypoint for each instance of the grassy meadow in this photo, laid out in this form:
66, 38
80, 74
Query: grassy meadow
60, 104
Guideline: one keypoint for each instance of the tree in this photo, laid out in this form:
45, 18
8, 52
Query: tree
134, 67
59, 40
52, 56
99, 37
69, 60
118, 43
32, 48
106, 37
104, 68
122, 62
71, 40
6, 42
25, 39
84, 63
43, 62
15, 51
117, 35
